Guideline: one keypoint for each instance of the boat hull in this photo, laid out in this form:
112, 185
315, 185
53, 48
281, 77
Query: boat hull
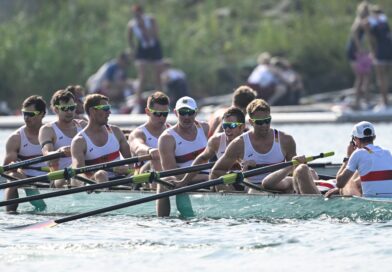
224, 205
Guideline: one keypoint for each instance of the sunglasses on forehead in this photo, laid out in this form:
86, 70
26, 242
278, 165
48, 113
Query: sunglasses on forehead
66, 107
159, 113
103, 107
231, 125
27, 113
263, 121
185, 111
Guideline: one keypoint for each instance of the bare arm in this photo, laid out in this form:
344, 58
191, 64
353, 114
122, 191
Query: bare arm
288, 145
166, 147
343, 178
130, 36
124, 146
47, 138
233, 153
78, 151
11, 149
137, 143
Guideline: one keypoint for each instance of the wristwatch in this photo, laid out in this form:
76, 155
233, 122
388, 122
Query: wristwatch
345, 159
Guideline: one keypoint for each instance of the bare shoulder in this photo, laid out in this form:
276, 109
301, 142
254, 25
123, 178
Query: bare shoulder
214, 141
14, 138
137, 133
286, 139
205, 126
81, 122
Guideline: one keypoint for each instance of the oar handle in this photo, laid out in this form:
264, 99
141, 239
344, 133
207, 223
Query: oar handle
31, 161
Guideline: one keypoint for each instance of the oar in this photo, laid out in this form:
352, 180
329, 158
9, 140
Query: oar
140, 178
70, 172
25, 163
226, 179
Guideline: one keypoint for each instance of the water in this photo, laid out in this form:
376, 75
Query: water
122, 243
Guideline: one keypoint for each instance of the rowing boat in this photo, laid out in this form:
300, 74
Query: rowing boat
224, 205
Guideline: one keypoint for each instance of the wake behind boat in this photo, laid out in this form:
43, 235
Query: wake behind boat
223, 205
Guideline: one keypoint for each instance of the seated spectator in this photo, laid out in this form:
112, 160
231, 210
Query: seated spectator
111, 79
174, 82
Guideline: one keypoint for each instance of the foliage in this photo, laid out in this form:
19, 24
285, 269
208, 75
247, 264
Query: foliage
46, 45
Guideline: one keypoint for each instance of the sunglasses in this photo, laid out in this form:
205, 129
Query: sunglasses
66, 108
159, 113
260, 122
30, 113
184, 112
103, 107
231, 125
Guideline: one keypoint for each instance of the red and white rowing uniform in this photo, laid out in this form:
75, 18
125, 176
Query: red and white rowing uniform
374, 165
110, 151
186, 151
222, 145
63, 140
274, 155
151, 140
27, 151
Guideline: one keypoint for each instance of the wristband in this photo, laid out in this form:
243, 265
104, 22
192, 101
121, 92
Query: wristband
345, 159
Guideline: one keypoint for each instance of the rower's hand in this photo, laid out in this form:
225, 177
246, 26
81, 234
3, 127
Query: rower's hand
301, 159
350, 149
334, 191
154, 153
181, 183
246, 164
121, 170
66, 150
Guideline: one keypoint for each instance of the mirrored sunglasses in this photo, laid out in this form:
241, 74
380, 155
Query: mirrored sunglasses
260, 122
186, 111
66, 108
30, 113
103, 107
159, 113
231, 125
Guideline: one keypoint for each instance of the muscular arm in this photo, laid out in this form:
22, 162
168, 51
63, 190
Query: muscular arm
288, 145
46, 137
78, 151
124, 146
137, 143
11, 149
207, 154
233, 153
166, 147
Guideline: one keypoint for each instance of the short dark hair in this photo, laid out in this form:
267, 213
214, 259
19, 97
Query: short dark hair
258, 105
236, 112
93, 100
242, 96
157, 97
36, 100
61, 96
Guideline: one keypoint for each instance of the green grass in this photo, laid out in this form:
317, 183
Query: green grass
46, 45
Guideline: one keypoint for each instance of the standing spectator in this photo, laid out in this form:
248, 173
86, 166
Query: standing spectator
381, 41
359, 58
148, 51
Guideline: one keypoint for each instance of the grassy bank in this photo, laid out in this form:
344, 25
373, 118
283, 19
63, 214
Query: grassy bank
46, 45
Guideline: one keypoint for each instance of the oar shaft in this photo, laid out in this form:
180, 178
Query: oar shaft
44, 178
197, 186
123, 181
32, 161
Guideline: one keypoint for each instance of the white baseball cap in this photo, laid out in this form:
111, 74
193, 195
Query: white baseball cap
363, 129
186, 102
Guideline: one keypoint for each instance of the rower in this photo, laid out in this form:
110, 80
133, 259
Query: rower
260, 146
144, 139
79, 94
242, 96
180, 144
57, 136
23, 144
99, 142
372, 163
233, 125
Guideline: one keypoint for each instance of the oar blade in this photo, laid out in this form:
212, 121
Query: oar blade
41, 225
